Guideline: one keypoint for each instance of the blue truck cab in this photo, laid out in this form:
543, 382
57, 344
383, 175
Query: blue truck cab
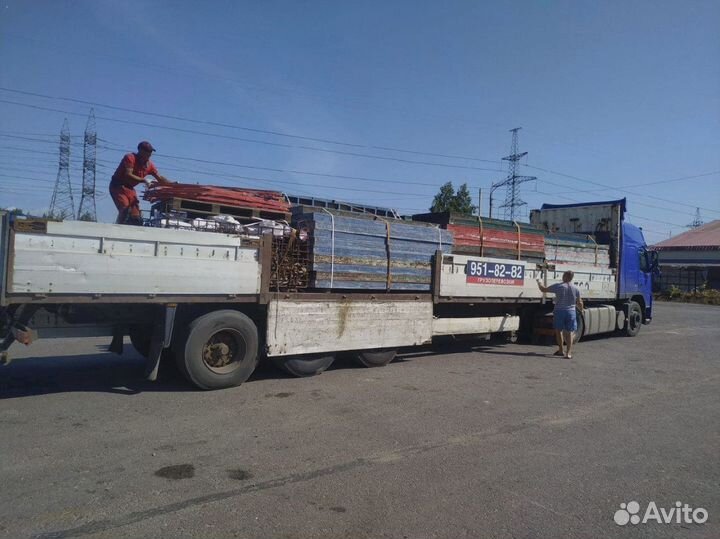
633, 265
637, 266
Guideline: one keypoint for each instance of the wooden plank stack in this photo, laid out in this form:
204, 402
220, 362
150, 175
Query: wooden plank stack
350, 251
490, 237
203, 200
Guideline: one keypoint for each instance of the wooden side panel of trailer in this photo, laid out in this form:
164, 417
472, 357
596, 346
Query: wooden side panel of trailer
306, 327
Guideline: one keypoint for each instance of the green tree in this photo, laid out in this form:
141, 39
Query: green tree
57, 216
443, 200
463, 201
86, 216
448, 200
12, 211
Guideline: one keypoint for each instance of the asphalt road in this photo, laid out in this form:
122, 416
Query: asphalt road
501, 441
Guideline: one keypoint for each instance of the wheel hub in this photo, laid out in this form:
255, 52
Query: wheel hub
219, 351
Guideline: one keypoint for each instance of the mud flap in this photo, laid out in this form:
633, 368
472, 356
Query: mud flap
156, 348
116, 345
161, 339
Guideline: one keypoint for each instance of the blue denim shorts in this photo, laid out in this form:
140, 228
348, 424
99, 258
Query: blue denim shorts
565, 319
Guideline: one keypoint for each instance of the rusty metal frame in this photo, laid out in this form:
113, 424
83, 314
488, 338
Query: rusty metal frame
4, 251
9, 267
39, 299
436, 273
486, 299
341, 296
265, 259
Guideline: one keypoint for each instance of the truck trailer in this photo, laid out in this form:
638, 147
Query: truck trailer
215, 303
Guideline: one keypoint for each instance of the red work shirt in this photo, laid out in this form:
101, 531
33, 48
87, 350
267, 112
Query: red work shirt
131, 160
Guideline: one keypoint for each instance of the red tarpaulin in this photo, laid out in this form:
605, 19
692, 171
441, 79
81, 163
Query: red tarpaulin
228, 196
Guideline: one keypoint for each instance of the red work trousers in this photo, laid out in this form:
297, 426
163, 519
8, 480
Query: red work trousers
127, 204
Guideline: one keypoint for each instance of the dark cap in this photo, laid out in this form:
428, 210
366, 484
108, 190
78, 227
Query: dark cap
145, 146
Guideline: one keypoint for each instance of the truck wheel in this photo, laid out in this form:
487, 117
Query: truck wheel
633, 323
305, 365
580, 327
220, 350
374, 358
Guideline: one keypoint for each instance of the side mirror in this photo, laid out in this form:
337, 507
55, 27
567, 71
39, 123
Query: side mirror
654, 260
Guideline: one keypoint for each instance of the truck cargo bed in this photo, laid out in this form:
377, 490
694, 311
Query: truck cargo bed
50, 258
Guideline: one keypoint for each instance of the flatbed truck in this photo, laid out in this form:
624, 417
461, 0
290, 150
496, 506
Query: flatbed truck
205, 300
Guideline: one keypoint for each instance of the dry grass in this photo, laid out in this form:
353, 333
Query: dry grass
706, 296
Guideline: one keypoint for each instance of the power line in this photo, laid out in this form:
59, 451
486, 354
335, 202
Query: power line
301, 172
249, 129
255, 141
593, 182
634, 201
295, 184
291, 171
309, 173
29, 178
345, 153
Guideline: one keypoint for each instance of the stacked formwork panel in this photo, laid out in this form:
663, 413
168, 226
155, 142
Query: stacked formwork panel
348, 251
576, 249
493, 238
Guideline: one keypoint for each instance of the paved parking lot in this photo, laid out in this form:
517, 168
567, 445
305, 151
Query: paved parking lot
483, 441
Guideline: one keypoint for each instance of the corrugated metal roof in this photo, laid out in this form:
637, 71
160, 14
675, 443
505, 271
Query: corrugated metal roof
704, 237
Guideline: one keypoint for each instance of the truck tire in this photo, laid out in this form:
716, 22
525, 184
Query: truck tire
305, 365
633, 322
220, 350
374, 358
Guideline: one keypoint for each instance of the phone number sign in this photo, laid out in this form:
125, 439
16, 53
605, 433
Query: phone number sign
495, 273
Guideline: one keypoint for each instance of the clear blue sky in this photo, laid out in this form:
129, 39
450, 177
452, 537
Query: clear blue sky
616, 93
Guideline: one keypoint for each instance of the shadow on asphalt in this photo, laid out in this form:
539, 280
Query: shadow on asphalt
123, 375
106, 373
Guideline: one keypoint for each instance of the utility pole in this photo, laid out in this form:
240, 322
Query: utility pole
62, 205
88, 208
697, 222
493, 188
513, 180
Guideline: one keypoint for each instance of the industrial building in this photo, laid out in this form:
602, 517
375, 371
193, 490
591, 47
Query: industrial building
691, 259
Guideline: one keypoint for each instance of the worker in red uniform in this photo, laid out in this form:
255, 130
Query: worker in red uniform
132, 171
